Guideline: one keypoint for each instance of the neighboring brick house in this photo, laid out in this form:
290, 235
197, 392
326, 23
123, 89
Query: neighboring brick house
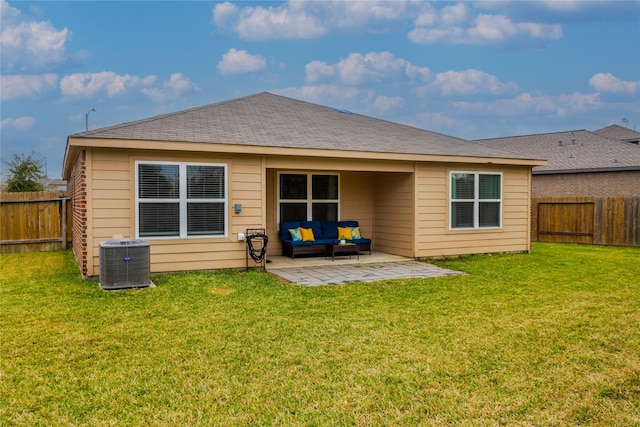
580, 162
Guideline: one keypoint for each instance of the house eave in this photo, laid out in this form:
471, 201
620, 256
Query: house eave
586, 170
70, 154
75, 144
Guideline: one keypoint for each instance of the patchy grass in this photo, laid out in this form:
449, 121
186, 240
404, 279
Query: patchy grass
548, 338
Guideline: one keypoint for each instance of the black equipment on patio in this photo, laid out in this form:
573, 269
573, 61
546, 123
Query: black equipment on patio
257, 241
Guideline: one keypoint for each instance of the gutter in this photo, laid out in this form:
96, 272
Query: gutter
587, 170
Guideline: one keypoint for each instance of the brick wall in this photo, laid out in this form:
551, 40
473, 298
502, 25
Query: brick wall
598, 184
78, 184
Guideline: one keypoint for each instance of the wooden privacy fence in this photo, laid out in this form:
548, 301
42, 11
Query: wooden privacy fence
37, 221
593, 220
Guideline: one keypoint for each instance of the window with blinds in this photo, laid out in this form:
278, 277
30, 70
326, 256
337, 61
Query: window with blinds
475, 200
181, 199
307, 196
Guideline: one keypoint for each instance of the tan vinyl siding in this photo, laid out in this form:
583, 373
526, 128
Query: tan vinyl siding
113, 211
404, 212
357, 200
245, 188
274, 246
111, 186
434, 236
394, 207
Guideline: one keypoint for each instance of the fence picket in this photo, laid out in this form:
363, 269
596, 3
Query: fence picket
596, 220
37, 221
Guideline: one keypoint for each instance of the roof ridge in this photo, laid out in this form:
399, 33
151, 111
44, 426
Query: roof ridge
532, 134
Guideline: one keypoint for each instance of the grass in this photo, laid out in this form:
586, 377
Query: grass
549, 338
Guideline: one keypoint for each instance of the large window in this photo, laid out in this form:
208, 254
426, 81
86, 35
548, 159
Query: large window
181, 199
307, 196
476, 200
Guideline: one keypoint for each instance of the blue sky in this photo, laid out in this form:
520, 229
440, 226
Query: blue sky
467, 69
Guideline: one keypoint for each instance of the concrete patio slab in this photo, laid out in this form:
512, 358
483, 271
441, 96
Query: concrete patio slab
327, 274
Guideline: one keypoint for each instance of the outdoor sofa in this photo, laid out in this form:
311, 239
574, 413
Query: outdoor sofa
323, 233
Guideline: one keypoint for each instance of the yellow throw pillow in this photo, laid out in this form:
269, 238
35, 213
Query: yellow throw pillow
355, 233
344, 233
307, 235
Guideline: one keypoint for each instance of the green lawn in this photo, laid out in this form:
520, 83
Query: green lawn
550, 338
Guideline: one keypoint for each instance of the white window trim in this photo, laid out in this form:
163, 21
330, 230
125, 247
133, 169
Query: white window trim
183, 200
309, 200
475, 200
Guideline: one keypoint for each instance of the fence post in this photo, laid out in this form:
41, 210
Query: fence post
63, 221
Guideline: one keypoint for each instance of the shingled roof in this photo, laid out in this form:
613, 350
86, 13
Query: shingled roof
618, 132
572, 151
268, 120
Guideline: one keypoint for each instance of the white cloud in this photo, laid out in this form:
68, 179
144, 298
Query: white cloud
498, 28
338, 96
576, 103
385, 104
374, 67
362, 101
175, 87
240, 62
610, 83
305, 20
7, 12
428, 17
318, 71
451, 24
564, 5
26, 86
436, 120
468, 82
453, 28
21, 123
225, 15
259, 23
368, 16
526, 103
455, 14
84, 85
30, 45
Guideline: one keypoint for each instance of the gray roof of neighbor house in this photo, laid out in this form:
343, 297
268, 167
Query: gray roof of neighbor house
572, 151
618, 132
268, 120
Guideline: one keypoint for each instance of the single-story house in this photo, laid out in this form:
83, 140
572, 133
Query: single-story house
190, 182
580, 162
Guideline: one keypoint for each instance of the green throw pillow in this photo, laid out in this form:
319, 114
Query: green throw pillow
296, 235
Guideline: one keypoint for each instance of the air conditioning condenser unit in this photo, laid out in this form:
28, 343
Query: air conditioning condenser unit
124, 263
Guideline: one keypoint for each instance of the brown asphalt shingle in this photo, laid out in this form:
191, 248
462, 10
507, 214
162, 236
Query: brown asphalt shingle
578, 150
268, 120
618, 132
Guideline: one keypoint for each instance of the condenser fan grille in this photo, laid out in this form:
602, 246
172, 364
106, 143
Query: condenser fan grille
124, 263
